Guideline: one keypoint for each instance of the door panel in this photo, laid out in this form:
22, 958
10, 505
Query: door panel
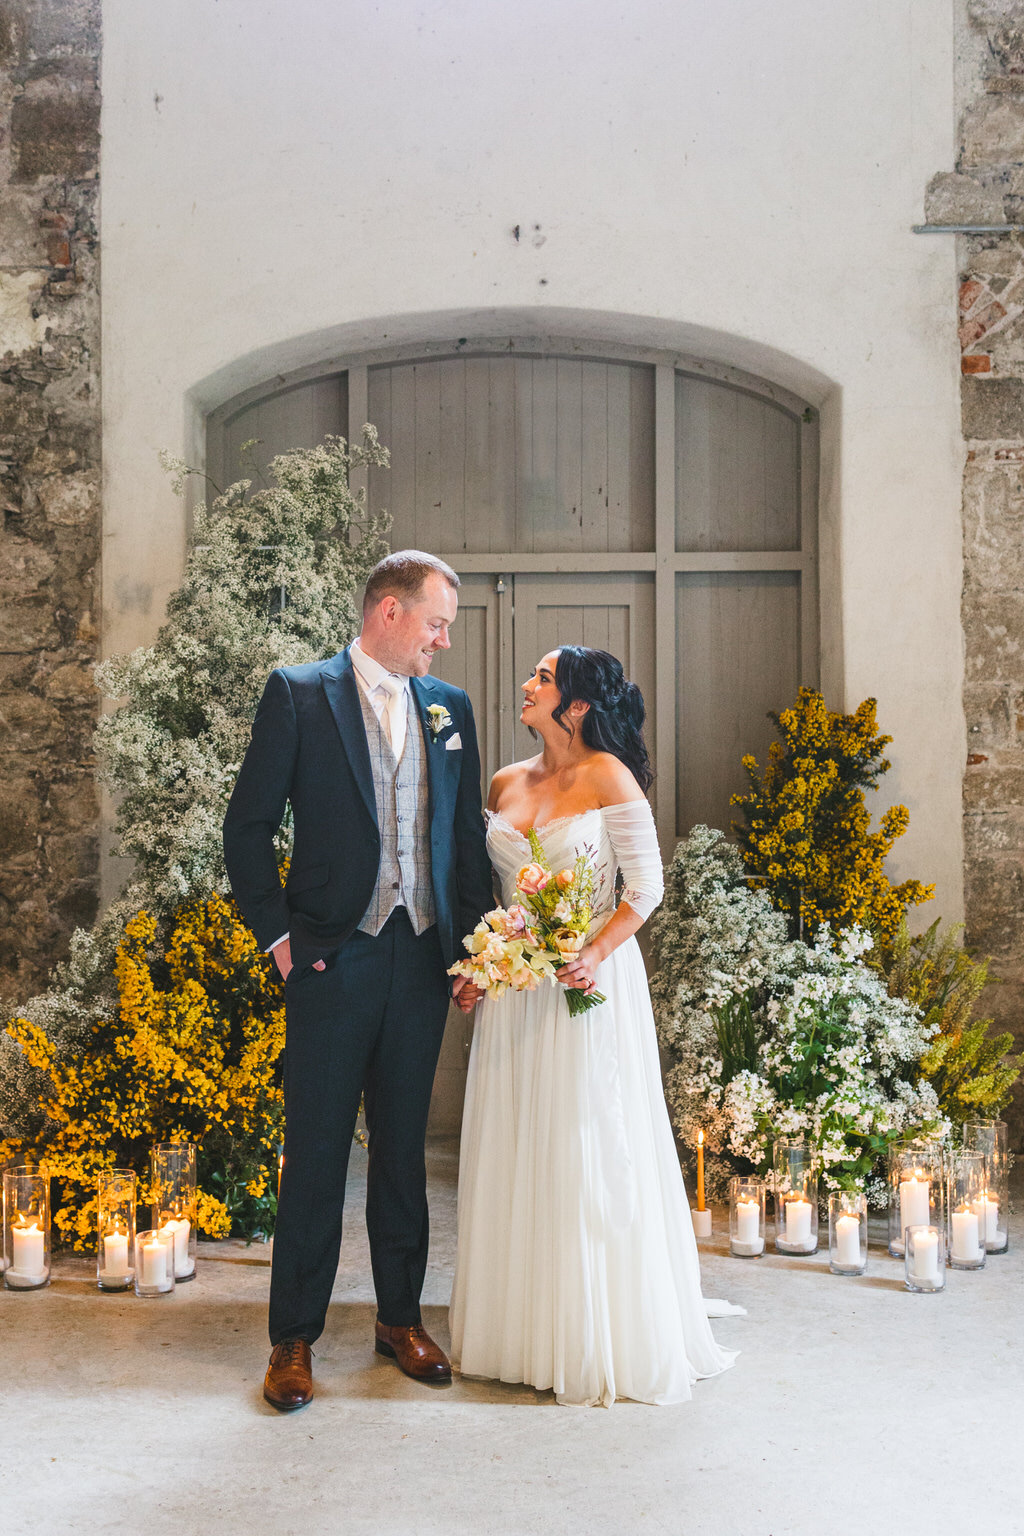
737, 470
474, 663
515, 453
610, 612
737, 656
299, 417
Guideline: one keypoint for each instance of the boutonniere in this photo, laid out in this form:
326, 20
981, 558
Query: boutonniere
438, 719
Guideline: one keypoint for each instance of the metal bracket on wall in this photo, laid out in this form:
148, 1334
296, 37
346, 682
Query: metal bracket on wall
967, 229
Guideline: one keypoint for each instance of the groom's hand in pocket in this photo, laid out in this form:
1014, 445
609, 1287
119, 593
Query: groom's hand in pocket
465, 994
282, 954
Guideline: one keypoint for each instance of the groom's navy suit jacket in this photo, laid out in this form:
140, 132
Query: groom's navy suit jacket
309, 747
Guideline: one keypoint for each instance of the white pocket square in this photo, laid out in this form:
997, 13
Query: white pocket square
454, 743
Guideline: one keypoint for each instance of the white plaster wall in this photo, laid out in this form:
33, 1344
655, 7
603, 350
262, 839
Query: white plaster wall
285, 179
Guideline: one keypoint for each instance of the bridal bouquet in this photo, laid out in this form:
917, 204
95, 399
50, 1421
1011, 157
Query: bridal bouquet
516, 948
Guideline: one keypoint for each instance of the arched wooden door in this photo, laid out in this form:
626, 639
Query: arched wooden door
656, 506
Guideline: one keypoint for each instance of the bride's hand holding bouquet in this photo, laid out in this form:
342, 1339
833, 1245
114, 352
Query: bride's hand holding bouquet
538, 938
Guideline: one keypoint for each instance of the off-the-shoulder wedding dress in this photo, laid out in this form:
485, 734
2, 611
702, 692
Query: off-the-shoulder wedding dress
577, 1267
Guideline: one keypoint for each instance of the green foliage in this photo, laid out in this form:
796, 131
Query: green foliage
737, 1034
807, 838
972, 1072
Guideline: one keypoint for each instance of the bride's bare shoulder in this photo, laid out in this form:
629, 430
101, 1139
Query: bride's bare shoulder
610, 780
508, 778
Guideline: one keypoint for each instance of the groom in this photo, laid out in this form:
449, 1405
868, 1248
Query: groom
389, 870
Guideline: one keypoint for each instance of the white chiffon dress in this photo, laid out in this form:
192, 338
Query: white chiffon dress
577, 1268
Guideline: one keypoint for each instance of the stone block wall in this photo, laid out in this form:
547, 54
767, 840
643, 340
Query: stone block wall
49, 479
987, 187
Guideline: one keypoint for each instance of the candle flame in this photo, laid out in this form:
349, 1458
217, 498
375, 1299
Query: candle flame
700, 1138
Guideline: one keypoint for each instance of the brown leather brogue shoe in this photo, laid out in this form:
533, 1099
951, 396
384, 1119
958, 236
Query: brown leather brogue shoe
415, 1351
288, 1383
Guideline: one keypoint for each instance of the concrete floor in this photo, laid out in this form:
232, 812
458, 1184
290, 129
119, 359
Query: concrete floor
854, 1408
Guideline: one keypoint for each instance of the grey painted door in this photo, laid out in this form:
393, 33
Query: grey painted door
661, 508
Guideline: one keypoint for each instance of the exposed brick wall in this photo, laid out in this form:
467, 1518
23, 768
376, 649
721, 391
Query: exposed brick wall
49, 479
987, 187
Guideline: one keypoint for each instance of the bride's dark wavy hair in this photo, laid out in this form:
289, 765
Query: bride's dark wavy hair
615, 720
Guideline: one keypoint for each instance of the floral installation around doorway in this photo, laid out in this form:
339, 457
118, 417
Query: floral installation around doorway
165, 1021
791, 999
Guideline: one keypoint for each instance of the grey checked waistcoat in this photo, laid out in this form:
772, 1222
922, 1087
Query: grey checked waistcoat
400, 790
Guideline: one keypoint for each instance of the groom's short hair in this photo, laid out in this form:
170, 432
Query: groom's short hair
402, 575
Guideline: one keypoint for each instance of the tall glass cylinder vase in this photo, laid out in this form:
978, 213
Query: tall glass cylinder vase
796, 1197
989, 1137
916, 1189
847, 1232
3, 1226
172, 1169
115, 1243
966, 1196
746, 1217
27, 1227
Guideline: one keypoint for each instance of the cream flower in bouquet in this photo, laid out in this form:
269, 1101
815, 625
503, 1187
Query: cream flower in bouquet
505, 953
515, 948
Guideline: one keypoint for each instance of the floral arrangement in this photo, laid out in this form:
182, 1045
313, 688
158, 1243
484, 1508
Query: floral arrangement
271, 579
768, 1035
516, 948
189, 1054
806, 836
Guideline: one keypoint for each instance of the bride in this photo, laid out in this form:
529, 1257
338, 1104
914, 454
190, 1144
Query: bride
577, 1268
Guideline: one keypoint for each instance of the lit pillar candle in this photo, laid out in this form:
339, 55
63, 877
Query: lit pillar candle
748, 1217
966, 1243
748, 1240
798, 1222
154, 1262
924, 1264
915, 1195
986, 1208
700, 1170
848, 1241
29, 1257
115, 1255
179, 1228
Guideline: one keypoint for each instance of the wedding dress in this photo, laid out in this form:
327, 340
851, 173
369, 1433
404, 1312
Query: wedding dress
577, 1267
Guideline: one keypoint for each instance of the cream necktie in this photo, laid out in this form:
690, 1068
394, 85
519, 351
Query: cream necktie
394, 712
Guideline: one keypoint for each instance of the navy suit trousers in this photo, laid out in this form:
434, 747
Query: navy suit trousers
368, 1026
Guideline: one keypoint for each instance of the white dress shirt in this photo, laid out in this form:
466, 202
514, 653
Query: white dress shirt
371, 676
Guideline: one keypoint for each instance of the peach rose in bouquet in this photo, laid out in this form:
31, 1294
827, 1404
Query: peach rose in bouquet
532, 879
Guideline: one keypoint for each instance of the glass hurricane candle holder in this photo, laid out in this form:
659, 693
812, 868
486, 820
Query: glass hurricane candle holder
916, 1186
989, 1137
746, 1217
967, 1188
3, 1226
796, 1197
925, 1258
847, 1232
154, 1263
27, 1227
115, 1243
172, 1167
